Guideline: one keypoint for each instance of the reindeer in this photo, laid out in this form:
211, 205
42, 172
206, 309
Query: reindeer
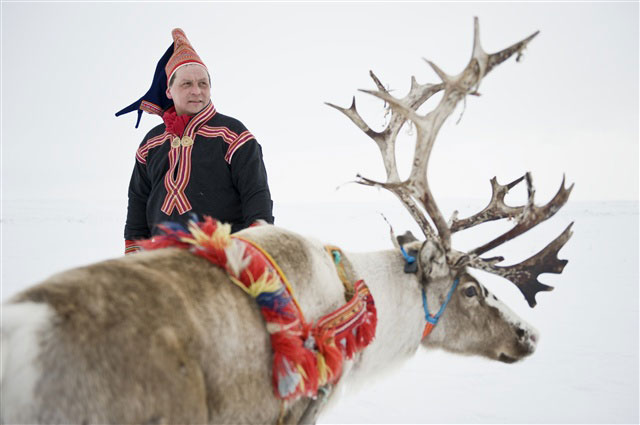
163, 336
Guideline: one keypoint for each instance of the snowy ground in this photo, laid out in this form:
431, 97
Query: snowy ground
584, 371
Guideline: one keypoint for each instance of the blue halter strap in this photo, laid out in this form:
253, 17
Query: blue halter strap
432, 320
408, 258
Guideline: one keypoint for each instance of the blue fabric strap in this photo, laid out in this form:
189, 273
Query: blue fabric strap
336, 256
409, 259
434, 319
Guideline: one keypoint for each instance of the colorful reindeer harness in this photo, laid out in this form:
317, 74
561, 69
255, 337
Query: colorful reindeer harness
306, 356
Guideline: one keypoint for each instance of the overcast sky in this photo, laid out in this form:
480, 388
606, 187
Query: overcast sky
570, 106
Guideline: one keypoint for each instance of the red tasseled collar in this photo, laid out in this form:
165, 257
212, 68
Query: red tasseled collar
175, 123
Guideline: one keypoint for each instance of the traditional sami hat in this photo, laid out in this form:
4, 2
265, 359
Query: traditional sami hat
183, 53
155, 101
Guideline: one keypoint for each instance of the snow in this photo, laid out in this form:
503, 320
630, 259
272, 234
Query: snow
585, 369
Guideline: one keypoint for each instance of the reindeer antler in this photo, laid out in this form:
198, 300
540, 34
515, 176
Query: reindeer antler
496, 209
525, 274
386, 141
415, 194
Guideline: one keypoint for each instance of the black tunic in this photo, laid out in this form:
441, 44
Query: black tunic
216, 170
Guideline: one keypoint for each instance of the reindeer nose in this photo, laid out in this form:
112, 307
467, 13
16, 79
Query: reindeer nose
527, 335
524, 335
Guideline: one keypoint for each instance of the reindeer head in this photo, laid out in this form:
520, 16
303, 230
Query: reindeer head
476, 322
499, 334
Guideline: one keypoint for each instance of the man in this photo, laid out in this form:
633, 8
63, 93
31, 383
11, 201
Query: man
198, 161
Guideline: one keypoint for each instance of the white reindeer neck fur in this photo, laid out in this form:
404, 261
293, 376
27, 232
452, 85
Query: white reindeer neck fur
400, 314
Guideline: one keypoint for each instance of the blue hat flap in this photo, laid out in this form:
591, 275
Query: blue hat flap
155, 101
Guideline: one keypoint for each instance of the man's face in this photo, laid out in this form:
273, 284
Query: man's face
190, 90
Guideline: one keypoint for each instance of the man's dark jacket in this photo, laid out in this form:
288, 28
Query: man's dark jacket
214, 168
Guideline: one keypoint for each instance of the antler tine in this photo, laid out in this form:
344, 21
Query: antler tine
401, 193
354, 116
525, 274
530, 217
497, 58
486, 61
495, 210
376, 80
387, 149
418, 94
386, 139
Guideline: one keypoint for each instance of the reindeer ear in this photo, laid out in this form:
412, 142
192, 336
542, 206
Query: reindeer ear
411, 261
406, 238
410, 247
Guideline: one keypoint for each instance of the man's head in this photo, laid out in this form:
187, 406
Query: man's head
190, 89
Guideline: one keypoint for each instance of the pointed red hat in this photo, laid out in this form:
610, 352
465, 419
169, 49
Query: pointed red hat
183, 54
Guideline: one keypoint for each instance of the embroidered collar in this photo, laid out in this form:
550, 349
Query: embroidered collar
178, 174
199, 120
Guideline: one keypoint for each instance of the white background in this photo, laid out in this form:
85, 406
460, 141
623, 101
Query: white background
571, 106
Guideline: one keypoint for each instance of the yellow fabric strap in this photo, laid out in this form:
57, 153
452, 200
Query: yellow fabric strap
278, 269
342, 273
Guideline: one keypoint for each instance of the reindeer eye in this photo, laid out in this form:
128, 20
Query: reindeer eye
470, 291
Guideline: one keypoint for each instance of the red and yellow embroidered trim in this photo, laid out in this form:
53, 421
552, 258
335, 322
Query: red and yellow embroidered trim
175, 186
231, 138
151, 108
233, 147
143, 151
179, 172
131, 246
227, 135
